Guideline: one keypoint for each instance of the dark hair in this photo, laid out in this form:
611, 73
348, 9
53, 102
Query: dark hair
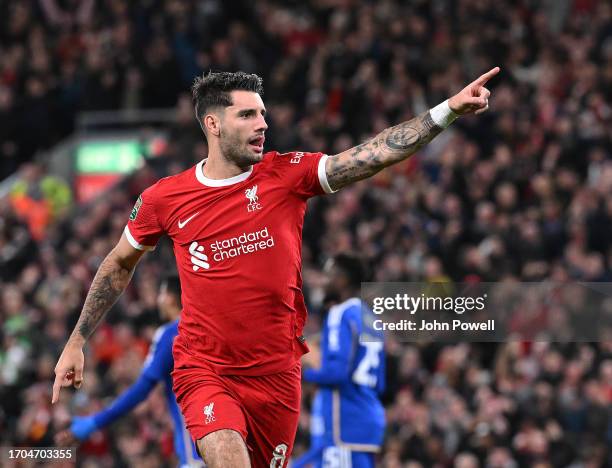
213, 89
173, 285
353, 266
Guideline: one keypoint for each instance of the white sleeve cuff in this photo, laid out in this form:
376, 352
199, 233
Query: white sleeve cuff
134, 243
323, 175
442, 115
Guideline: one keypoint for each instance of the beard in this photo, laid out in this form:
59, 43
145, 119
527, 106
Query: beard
237, 151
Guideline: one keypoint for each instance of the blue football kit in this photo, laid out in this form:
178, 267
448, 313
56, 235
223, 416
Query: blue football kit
348, 419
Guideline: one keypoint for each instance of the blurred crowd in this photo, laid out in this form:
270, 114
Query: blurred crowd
521, 193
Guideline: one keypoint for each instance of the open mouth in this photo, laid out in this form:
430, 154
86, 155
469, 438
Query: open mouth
257, 143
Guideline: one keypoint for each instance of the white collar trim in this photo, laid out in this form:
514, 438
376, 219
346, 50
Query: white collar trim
219, 182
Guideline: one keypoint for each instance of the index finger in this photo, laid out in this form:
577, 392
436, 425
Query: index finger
57, 385
482, 79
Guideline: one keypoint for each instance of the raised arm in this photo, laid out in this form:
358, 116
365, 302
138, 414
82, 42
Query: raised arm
110, 281
397, 143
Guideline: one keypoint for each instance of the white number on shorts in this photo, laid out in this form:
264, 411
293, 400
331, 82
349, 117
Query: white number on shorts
278, 456
336, 457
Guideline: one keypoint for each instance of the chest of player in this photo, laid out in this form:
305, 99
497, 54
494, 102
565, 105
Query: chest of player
221, 227
211, 212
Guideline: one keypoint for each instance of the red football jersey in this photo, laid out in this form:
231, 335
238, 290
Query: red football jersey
238, 245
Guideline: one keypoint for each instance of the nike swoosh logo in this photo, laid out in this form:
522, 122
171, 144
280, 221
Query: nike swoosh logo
181, 224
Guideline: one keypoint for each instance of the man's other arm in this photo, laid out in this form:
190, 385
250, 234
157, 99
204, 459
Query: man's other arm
83, 426
157, 366
397, 143
110, 281
336, 356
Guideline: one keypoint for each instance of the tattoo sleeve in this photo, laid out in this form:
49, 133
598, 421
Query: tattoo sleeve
110, 281
392, 145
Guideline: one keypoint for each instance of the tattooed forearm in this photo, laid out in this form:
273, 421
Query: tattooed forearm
388, 147
108, 284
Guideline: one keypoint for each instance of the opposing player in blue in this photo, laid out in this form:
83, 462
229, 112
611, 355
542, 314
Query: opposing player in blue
157, 368
348, 419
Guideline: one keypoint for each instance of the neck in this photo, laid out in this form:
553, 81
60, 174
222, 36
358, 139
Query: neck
219, 167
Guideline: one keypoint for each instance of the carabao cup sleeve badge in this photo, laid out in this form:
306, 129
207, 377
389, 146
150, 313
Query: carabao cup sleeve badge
137, 206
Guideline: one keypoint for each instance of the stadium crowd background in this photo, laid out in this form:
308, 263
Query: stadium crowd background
522, 192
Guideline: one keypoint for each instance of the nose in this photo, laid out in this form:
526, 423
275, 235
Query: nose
262, 126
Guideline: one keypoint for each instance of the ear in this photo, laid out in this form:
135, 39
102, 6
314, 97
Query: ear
212, 124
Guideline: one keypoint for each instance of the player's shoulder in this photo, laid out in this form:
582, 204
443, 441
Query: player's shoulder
169, 185
352, 307
292, 157
277, 165
347, 310
166, 332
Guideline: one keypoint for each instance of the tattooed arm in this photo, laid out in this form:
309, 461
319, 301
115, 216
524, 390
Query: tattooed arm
398, 143
388, 147
110, 281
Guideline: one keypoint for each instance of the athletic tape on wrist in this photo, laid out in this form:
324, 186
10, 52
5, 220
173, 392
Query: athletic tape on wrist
442, 115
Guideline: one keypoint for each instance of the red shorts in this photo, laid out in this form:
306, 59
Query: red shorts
263, 409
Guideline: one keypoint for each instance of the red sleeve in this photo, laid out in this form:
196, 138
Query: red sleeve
143, 228
305, 173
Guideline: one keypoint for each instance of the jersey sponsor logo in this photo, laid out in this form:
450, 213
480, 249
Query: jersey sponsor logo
297, 157
245, 243
181, 224
198, 258
136, 208
278, 456
209, 412
251, 195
